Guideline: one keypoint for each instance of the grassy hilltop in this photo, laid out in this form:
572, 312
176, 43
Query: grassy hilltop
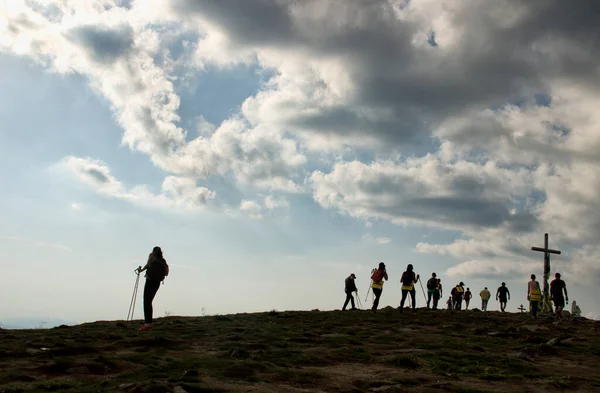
467, 351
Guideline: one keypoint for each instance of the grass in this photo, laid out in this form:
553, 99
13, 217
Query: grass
280, 350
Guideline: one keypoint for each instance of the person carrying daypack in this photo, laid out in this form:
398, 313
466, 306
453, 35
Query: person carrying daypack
534, 295
503, 296
557, 287
377, 284
156, 271
349, 288
457, 296
485, 295
437, 295
432, 285
408, 280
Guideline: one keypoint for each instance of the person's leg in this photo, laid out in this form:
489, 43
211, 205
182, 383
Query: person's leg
429, 296
414, 300
150, 289
348, 296
534, 308
352, 301
466, 304
485, 304
404, 295
436, 299
377, 293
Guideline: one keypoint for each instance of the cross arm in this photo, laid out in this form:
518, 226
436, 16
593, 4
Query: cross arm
545, 250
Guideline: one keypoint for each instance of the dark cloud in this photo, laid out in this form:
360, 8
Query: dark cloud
97, 175
105, 45
492, 63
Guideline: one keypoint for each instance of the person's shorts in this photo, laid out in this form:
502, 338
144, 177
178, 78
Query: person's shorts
503, 299
558, 301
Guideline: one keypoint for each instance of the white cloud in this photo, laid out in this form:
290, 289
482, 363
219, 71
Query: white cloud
252, 209
177, 192
273, 203
76, 206
376, 240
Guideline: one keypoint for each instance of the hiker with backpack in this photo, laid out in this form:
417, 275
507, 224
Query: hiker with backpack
534, 295
377, 284
437, 295
457, 296
349, 288
468, 296
432, 285
408, 280
156, 270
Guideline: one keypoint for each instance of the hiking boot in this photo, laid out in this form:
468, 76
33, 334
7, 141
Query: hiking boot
145, 327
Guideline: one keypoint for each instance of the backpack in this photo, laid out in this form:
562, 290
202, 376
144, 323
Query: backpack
408, 278
158, 269
377, 276
454, 291
431, 283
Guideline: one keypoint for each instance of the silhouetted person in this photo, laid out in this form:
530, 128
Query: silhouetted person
534, 295
156, 271
432, 285
350, 287
377, 284
503, 295
437, 295
408, 280
485, 297
457, 295
557, 286
468, 296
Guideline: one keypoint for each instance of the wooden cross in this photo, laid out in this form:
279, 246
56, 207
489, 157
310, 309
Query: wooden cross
522, 308
547, 251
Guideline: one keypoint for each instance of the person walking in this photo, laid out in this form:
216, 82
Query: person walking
557, 287
432, 285
350, 287
468, 296
534, 295
377, 284
156, 270
503, 295
485, 296
437, 295
408, 280
457, 295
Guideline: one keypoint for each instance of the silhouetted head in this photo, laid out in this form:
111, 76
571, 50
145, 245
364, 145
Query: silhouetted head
485, 288
352, 275
468, 289
461, 283
557, 275
533, 276
433, 275
157, 251
409, 268
381, 266
503, 284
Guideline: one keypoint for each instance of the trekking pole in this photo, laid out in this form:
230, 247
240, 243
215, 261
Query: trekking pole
422, 289
367, 297
133, 298
358, 301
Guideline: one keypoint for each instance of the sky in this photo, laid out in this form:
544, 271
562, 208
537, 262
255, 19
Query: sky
271, 148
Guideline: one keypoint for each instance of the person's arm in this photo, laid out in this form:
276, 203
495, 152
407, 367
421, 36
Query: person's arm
385, 275
508, 293
497, 292
146, 266
566, 295
417, 277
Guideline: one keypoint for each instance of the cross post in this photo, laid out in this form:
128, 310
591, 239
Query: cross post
547, 251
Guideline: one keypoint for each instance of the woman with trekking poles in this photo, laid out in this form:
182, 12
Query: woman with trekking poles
156, 270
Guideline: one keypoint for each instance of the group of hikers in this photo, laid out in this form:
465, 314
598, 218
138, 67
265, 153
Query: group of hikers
458, 294
157, 269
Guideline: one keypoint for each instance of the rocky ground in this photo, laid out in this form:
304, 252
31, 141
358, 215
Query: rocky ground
352, 351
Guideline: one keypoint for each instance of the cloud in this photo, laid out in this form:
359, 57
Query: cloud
478, 118
177, 192
37, 243
426, 191
273, 203
252, 209
376, 240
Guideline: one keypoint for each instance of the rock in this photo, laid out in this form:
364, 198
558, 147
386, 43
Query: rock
179, 389
523, 356
553, 342
333, 335
191, 373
